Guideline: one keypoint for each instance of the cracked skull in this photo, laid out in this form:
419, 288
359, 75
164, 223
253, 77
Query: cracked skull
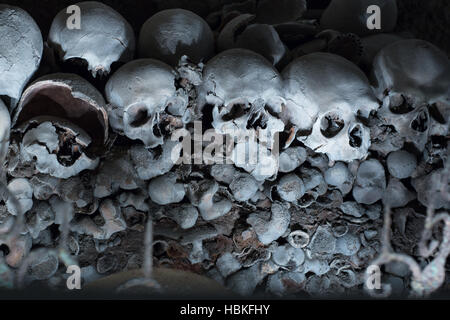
104, 37
325, 95
412, 78
60, 125
144, 101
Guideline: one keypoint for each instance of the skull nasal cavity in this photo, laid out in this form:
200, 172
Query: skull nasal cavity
355, 137
420, 123
331, 125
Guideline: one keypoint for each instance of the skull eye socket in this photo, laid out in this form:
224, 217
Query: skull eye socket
355, 137
420, 123
138, 116
331, 124
400, 105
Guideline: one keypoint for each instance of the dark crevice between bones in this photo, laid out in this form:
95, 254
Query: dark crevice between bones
237, 110
4, 250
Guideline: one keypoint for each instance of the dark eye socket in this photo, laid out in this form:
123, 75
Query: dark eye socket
331, 124
402, 106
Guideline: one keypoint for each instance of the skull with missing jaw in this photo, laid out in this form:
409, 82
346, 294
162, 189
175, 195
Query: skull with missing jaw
412, 78
326, 94
172, 33
60, 124
144, 102
104, 37
20, 51
245, 94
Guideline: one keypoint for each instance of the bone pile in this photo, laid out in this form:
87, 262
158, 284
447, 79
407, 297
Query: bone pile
352, 124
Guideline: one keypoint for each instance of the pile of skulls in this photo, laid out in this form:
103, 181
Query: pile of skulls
350, 124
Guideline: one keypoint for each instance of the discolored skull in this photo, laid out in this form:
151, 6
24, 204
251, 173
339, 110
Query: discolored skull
245, 92
104, 37
20, 50
413, 80
326, 94
60, 125
144, 101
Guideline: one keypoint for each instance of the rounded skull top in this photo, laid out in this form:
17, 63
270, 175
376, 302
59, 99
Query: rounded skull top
103, 37
20, 51
412, 78
325, 93
139, 94
170, 34
240, 76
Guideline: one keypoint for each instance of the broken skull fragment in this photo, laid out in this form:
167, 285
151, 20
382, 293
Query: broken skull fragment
61, 125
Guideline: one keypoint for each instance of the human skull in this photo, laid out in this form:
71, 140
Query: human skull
20, 51
143, 98
104, 37
170, 34
412, 78
61, 124
245, 92
326, 93
260, 38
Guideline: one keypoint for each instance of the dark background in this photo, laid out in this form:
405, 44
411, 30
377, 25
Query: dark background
425, 19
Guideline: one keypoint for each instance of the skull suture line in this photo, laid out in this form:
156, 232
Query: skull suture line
144, 101
413, 80
245, 93
325, 93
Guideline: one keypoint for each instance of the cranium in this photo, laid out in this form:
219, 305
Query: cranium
104, 37
170, 34
143, 98
60, 120
61, 123
20, 51
245, 92
412, 78
260, 38
326, 93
